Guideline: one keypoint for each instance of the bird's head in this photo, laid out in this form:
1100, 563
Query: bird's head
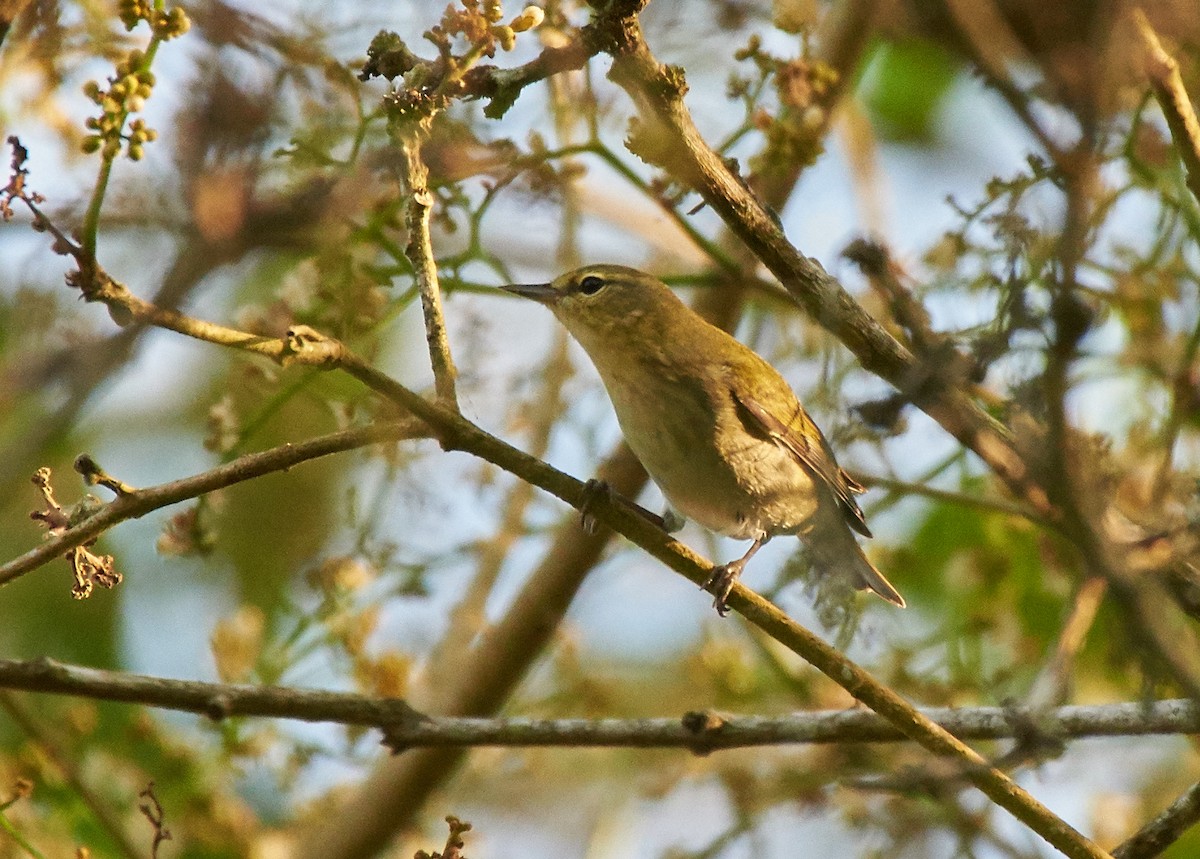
606, 305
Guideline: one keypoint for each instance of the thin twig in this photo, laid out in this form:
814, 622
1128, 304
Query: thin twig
1163, 71
996, 505
419, 250
143, 501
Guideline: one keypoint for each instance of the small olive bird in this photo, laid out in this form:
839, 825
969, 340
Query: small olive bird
716, 427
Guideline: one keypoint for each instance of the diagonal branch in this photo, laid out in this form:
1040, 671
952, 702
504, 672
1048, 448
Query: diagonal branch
456, 432
1163, 71
1161, 832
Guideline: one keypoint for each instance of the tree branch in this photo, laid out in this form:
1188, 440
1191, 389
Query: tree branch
903, 487
698, 731
138, 503
1163, 71
1153, 838
419, 250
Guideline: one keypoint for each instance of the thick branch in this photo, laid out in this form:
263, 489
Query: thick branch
406, 728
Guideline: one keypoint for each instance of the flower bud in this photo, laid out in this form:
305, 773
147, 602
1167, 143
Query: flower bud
530, 17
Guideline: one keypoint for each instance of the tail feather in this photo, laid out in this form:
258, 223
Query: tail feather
834, 549
838, 552
872, 580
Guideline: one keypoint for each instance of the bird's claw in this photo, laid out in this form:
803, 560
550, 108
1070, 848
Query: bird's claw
593, 490
720, 585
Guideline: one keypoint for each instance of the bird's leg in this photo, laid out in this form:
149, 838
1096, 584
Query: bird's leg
672, 521
594, 490
720, 583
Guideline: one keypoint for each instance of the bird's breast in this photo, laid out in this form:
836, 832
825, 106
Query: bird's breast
710, 467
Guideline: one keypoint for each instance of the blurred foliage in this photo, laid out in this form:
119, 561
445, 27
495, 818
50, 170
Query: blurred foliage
905, 86
271, 199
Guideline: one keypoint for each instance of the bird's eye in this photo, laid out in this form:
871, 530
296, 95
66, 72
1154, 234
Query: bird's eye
591, 284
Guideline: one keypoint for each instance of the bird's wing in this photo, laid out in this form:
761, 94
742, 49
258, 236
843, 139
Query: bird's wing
804, 440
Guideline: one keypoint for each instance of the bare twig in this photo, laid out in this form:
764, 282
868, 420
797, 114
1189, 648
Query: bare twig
419, 250
979, 502
140, 502
152, 810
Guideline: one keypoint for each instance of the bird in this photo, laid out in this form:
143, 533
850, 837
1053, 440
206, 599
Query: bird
716, 427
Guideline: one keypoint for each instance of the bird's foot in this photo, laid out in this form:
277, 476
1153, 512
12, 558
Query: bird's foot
593, 491
720, 584
672, 521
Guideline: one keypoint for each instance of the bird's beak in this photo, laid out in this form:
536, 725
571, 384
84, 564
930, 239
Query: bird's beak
543, 293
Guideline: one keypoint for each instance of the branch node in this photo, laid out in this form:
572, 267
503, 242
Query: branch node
303, 344
703, 725
218, 708
397, 732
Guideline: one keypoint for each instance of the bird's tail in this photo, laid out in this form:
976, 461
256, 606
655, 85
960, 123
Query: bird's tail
837, 552
871, 579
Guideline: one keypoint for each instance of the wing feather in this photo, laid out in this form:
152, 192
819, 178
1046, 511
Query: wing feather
805, 441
